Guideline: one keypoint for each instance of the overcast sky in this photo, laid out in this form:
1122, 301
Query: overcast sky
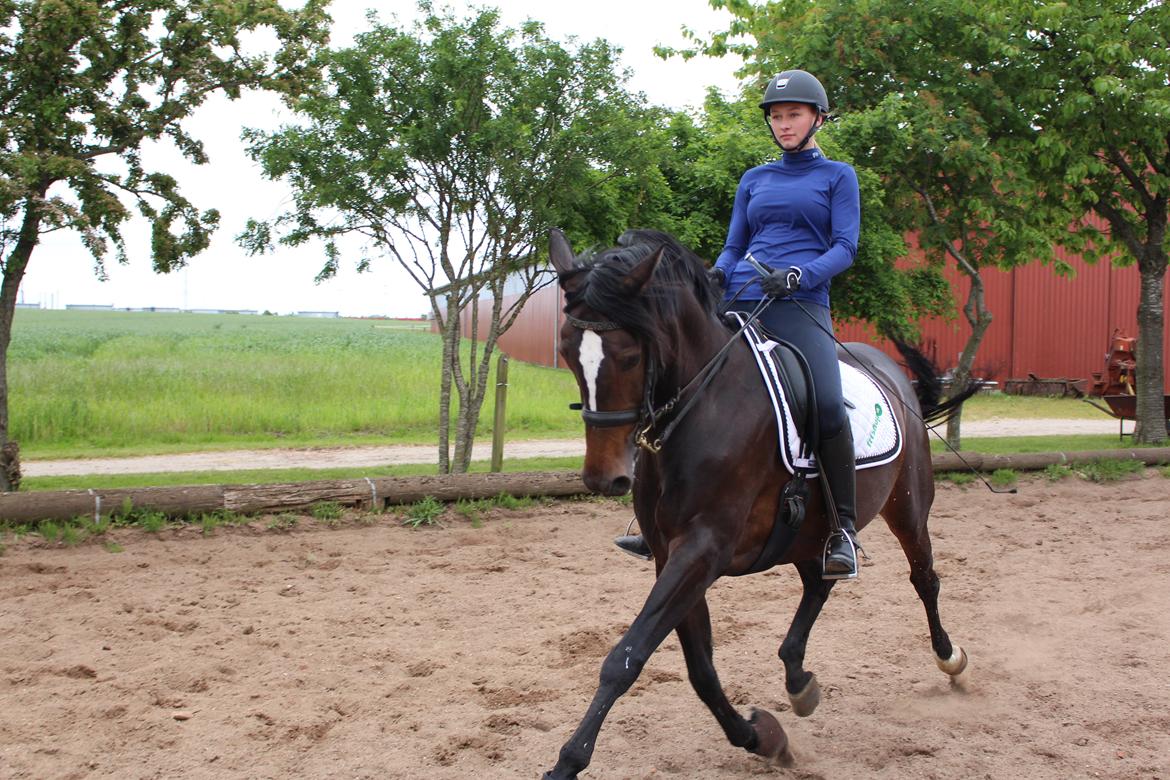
223, 277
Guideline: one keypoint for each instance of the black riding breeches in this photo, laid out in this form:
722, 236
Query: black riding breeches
786, 321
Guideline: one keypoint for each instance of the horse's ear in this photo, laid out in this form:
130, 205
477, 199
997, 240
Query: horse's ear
640, 274
560, 252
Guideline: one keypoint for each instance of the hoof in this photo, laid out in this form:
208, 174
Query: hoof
771, 741
805, 702
954, 665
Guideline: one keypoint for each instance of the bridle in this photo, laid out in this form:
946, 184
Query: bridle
616, 419
648, 416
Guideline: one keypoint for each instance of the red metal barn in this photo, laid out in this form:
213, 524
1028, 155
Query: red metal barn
1043, 324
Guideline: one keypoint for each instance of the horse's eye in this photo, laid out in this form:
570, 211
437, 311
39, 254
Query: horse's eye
630, 362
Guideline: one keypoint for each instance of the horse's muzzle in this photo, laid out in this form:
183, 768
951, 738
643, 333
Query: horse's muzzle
617, 486
609, 462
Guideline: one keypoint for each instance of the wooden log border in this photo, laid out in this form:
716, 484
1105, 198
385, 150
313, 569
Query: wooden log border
380, 492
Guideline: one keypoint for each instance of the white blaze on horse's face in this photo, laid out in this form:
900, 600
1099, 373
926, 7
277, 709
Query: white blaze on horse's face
590, 355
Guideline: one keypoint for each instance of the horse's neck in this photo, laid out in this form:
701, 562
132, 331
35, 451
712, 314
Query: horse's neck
698, 339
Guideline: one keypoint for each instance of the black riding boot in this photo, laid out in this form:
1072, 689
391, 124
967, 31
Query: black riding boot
839, 470
635, 545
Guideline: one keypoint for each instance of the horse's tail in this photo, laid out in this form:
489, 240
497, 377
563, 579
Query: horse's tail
929, 385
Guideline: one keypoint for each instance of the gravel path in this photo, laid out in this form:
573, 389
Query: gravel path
333, 457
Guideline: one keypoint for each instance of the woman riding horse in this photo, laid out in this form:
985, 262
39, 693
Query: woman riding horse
800, 217
658, 369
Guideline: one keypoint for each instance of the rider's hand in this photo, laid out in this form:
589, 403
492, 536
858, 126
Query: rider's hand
782, 282
717, 277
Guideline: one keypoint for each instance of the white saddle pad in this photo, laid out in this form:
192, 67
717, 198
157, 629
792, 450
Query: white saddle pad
877, 439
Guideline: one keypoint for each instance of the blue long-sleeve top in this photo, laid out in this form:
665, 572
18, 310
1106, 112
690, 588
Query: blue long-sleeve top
802, 210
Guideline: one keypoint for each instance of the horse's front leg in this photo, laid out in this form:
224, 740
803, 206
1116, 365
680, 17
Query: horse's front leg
681, 583
802, 687
763, 734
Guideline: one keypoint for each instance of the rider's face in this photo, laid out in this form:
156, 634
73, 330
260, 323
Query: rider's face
790, 122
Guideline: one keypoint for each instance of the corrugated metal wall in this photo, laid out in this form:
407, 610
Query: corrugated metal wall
1044, 324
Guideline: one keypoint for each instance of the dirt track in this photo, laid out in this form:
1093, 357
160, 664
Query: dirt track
377, 651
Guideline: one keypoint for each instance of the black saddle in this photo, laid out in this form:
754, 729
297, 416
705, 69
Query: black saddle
797, 382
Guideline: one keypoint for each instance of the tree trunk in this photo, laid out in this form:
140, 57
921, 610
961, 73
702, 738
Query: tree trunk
1151, 414
979, 318
14, 265
476, 390
468, 403
451, 332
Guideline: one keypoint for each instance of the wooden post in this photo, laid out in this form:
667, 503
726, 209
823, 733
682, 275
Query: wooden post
498, 422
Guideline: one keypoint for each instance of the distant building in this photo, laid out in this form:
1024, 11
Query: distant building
319, 314
90, 306
28, 306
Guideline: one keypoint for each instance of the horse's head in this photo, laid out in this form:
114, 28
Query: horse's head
608, 360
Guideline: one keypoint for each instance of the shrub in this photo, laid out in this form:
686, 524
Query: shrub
326, 510
1057, 471
1110, 470
1003, 478
425, 512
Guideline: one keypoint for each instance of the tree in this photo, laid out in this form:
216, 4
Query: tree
1092, 81
83, 85
915, 83
451, 149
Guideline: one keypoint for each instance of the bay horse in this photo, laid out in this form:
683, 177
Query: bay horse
641, 323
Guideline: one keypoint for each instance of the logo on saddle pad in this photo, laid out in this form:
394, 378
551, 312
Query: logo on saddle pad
873, 429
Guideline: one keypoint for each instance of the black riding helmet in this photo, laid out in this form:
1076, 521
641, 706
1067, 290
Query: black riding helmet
796, 86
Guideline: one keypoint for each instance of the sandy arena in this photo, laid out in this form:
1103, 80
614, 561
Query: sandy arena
376, 651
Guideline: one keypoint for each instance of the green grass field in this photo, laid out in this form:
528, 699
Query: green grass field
85, 384
90, 383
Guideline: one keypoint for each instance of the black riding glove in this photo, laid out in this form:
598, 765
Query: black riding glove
717, 277
781, 283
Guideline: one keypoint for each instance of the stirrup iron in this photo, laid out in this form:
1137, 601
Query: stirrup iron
855, 550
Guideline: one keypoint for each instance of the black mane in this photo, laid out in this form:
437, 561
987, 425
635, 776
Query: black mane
648, 315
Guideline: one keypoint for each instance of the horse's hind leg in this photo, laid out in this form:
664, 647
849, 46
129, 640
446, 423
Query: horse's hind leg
762, 735
803, 691
906, 514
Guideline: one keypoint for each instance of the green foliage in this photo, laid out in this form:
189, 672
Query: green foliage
209, 522
326, 510
424, 512
473, 509
508, 501
285, 521
701, 160
152, 522
71, 535
957, 477
1165, 471
457, 134
1109, 470
49, 530
996, 127
1057, 471
1003, 478
86, 84
88, 80
112, 547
